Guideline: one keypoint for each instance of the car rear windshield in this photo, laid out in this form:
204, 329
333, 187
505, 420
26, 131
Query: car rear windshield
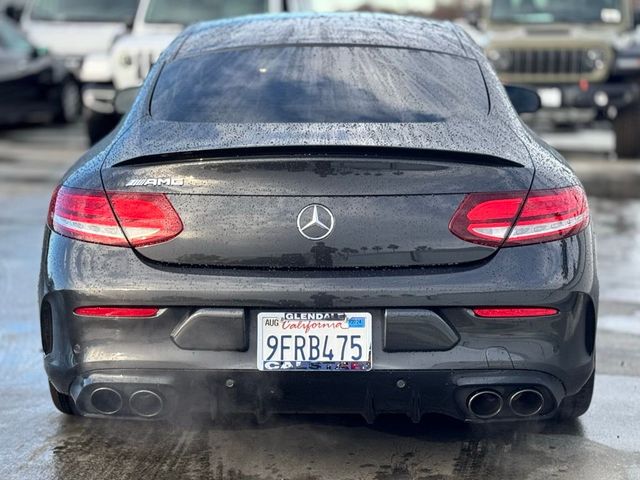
307, 84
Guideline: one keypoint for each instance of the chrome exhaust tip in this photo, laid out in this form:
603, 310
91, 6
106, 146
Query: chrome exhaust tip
146, 403
526, 402
106, 400
485, 404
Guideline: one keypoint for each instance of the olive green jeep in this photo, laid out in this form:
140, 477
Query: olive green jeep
582, 56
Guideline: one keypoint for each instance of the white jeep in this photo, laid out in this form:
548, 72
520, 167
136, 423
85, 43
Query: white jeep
73, 30
156, 24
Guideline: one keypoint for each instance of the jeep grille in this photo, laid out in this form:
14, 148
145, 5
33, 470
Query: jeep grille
552, 65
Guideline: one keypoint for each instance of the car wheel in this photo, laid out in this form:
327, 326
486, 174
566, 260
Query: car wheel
63, 402
100, 125
576, 405
625, 126
69, 103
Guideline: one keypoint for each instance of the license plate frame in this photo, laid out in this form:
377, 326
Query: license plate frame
346, 337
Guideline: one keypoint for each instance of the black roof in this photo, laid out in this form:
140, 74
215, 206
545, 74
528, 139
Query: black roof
382, 30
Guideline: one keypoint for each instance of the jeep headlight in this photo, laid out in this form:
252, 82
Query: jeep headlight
594, 58
501, 59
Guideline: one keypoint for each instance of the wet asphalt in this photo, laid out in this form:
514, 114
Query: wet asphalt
37, 442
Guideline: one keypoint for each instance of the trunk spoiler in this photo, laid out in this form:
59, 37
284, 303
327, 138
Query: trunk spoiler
318, 153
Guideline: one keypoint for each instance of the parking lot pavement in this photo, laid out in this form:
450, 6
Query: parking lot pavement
591, 155
33, 158
37, 442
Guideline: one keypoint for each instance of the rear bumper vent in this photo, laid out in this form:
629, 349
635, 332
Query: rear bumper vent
417, 330
46, 327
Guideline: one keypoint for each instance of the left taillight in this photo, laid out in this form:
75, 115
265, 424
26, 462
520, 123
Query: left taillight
518, 218
119, 219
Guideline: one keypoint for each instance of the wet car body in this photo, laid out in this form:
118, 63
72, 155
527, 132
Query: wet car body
393, 258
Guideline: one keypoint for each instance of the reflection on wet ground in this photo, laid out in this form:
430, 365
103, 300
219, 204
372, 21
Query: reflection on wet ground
332, 447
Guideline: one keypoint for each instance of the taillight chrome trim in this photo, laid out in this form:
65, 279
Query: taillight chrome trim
528, 231
87, 228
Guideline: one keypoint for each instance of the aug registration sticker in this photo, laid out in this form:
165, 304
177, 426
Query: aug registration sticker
314, 341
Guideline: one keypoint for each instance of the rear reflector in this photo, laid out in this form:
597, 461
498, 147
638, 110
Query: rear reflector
513, 218
116, 311
514, 312
123, 219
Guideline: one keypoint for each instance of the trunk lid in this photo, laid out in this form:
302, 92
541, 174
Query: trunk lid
390, 208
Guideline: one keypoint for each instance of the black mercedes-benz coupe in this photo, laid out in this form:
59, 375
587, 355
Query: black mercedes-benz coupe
321, 213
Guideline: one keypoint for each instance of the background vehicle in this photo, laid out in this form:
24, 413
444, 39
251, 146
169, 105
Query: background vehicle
156, 24
583, 56
72, 29
34, 85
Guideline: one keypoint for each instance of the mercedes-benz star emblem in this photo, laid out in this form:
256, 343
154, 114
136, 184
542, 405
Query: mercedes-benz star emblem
315, 222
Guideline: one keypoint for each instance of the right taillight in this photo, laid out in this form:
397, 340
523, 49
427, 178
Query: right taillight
121, 219
515, 218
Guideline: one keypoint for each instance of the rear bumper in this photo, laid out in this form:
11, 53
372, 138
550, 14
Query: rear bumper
598, 96
88, 353
409, 392
99, 98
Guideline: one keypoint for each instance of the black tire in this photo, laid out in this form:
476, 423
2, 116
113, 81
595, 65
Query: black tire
625, 126
69, 103
63, 402
576, 405
100, 125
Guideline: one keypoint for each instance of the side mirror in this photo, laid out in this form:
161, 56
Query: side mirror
38, 52
524, 99
124, 100
129, 23
473, 18
13, 12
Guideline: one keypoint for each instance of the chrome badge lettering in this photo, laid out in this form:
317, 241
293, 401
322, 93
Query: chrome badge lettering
155, 182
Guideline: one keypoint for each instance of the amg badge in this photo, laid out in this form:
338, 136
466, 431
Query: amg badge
145, 182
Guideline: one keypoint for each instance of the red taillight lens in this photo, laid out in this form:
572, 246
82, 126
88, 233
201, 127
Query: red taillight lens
116, 311
140, 218
513, 218
514, 312
146, 218
85, 215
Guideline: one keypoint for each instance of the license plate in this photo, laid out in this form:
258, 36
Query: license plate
550, 97
314, 341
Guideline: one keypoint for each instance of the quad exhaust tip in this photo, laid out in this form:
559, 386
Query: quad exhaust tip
485, 404
106, 400
146, 403
526, 403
